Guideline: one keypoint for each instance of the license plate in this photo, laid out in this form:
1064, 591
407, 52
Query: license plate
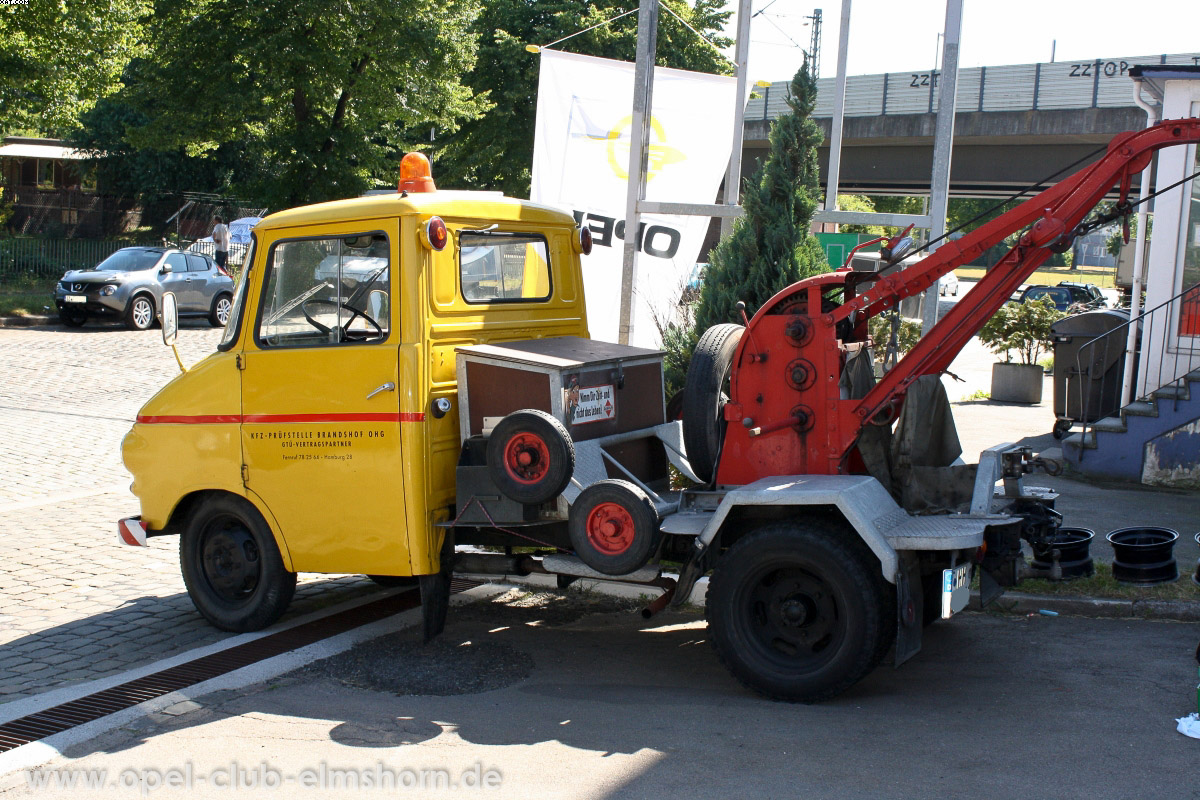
956, 589
74, 298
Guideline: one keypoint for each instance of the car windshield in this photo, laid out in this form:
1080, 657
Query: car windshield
131, 259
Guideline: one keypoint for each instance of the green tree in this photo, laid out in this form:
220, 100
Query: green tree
321, 99
495, 150
58, 57
770, 246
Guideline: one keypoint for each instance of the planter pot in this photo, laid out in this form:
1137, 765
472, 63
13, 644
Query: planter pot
1144, 555
1073, 559
1017, 383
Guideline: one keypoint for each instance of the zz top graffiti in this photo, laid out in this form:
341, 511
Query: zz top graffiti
654, 240
1091, 69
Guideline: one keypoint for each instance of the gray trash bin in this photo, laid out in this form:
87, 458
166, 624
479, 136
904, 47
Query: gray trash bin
1090, 387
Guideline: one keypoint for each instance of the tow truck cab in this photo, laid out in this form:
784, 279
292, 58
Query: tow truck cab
325, 426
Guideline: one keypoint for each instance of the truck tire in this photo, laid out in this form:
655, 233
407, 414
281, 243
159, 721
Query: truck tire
614, 527
797, 612
232, 567
530, 456
704, 397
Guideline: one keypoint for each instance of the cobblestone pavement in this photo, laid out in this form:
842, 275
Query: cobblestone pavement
74, 604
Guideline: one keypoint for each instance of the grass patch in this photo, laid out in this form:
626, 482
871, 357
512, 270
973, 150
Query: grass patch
24, 297
1103, 584
978, 394
1104, 277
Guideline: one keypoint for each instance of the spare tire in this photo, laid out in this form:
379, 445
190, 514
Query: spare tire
530, 456
705, 396
614, 527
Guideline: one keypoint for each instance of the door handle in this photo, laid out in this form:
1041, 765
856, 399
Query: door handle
386, 387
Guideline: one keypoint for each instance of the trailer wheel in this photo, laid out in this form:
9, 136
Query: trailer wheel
704, 397
614, 527
232, 567
530, 456
797, 612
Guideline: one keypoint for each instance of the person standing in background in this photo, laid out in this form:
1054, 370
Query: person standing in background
220, 237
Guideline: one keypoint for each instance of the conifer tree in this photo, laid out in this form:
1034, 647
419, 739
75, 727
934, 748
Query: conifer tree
770, 246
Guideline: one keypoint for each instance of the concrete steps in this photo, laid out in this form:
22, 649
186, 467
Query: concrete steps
1115, 446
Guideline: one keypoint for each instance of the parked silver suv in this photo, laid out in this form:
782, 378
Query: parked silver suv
129, 285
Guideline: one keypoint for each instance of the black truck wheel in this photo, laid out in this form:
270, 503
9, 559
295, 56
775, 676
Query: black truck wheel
232, 567
798, 612
614, 527
530, 456
704, 397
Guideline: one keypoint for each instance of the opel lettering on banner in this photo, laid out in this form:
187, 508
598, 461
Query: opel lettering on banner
580, 159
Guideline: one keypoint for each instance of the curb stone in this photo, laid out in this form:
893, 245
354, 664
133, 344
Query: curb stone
27, 322
1021, 603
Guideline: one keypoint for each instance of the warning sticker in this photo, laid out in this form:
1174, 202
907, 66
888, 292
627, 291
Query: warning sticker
591, 404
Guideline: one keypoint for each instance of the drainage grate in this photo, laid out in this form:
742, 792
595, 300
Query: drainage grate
108, 701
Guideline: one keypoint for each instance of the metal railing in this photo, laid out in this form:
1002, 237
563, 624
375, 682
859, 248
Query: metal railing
1168, 351
50, 258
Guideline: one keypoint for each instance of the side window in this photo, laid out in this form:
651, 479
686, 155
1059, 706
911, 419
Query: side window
178, 262
196, 263
503, 267
331, 291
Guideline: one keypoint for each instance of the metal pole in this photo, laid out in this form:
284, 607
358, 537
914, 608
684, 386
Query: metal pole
943, 141
839, 110
639, 135
733, 181
1139, 257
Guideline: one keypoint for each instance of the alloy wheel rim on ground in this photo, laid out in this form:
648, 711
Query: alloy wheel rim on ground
223, 307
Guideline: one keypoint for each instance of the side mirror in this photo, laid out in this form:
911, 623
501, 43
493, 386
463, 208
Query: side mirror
170, 319
898, 251
166, 268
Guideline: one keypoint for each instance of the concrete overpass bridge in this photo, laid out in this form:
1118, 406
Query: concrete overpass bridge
1014, 125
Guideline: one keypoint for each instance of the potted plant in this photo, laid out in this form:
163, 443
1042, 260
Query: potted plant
1023, 328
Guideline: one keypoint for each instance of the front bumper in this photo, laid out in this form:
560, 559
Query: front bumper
131, 531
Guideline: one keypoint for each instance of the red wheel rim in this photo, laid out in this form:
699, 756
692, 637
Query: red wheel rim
526, 458
610, 529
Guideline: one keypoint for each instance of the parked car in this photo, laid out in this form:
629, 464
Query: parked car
1066, 294
129, 285
948, 285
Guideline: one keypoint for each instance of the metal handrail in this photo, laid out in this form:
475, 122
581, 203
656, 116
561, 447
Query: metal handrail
1172, 328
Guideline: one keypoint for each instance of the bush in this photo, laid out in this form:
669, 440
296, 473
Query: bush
1023, 327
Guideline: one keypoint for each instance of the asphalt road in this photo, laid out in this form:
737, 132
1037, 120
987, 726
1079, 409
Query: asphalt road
615, 707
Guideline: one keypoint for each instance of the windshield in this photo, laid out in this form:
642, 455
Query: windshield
234, 324
131, 259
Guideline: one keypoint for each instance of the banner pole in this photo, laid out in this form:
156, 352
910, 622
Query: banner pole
733, 181
639, 135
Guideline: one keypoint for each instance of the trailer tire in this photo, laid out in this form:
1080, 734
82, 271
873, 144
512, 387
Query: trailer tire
232, 567
530, 456
704, 397
798, 613
614, 527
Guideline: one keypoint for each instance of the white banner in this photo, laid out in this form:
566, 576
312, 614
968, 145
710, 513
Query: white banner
580, 160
